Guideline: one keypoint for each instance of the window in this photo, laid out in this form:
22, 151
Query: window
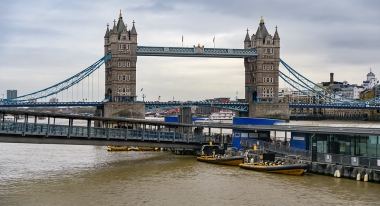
119, 77
128, 46
268, 42
124, 37
128, 64
268, 50
124, 46
123, 78
122, 64
128, 77
267, 92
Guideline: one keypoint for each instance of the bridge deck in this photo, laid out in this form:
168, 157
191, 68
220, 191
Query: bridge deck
195, 52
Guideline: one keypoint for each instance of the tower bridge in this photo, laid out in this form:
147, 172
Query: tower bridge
260, 57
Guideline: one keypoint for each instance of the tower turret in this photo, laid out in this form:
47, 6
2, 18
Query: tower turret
247, 41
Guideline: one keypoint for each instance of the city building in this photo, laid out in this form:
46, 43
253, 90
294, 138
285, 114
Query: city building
53, 99
11, 94
371, 81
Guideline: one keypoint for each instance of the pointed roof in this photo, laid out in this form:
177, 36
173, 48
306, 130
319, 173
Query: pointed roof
263, 29
258, 33
276, 36
133, 31
114, 29
120, 25
107, 32
247, 39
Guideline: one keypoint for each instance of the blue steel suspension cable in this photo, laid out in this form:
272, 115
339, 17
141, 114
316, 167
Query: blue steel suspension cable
64, 85
305, 81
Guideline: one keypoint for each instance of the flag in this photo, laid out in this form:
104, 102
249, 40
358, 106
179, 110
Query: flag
142, 89
182, 38
213, 40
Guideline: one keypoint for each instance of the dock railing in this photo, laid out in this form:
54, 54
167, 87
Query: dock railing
63, 131
356, 161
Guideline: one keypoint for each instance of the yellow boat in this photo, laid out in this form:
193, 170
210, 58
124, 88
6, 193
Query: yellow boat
145, 148
118, 148
215, 154
233, 161
290, 169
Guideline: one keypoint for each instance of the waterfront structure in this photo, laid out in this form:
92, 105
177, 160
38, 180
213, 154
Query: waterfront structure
371, 81
11, 94
261, 71
53, 99
120, 70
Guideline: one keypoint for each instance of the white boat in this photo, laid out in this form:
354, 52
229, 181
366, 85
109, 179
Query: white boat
222, 115
8, 118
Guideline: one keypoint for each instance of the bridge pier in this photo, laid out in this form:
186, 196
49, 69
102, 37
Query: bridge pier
124, 109
269, 110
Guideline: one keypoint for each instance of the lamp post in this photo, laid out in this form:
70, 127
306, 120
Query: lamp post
143, 96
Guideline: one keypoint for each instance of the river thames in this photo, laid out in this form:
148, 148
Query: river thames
89, 175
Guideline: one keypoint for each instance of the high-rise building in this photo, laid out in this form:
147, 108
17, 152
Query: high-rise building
11, 94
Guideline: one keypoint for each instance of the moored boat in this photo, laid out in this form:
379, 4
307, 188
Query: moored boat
145, 148
118, 148
222, 160
216, 155
271, 167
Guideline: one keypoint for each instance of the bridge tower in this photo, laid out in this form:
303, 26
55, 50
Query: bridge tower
261, 71
120, 72
262, 75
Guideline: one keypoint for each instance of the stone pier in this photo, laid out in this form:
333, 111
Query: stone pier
269, 110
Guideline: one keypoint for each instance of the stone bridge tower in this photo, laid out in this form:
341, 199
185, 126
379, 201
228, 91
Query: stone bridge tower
262, 75
120, 73
120, 77
261, 72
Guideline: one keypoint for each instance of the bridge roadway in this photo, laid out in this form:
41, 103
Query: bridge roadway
149, 106
137, 132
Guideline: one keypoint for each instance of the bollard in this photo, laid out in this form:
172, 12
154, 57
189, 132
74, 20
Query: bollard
366, 178
338, 173
358, 177
335, 173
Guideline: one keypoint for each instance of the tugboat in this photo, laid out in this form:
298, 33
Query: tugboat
268, 164
216, 155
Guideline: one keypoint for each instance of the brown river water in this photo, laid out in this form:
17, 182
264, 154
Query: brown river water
89, 175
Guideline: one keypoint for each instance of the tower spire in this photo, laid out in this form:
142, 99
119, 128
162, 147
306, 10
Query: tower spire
120, 15
247, 39
276, 36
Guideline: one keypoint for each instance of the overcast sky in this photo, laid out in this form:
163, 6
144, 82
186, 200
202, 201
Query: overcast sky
44, 42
